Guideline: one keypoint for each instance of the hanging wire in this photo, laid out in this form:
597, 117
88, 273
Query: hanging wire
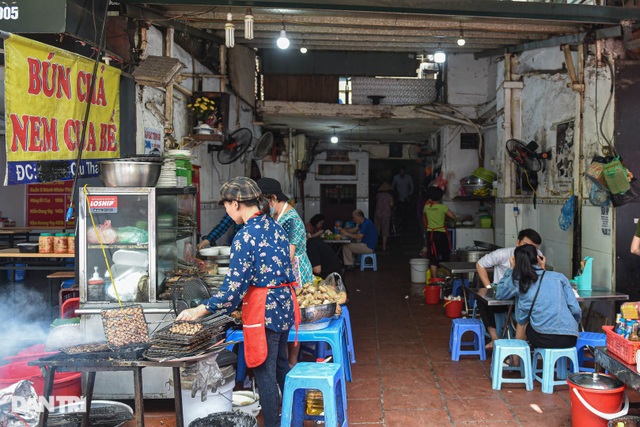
83, 137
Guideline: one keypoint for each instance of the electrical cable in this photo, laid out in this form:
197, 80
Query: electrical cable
606, 107
100, 42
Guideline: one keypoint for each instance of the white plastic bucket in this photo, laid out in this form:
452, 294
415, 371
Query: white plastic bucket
220, 401
419, 267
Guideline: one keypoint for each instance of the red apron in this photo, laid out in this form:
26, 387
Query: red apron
434, 250
254, 306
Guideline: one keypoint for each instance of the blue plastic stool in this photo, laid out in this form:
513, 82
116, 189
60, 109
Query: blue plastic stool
326, 377
321, 349
549, 358
458, 328
373, 264
592, 339
456, 291
503, 349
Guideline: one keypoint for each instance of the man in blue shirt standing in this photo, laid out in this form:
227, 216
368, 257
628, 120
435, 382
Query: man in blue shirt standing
365, 232
218, 231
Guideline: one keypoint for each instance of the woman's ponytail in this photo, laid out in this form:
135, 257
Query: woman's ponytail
526, 256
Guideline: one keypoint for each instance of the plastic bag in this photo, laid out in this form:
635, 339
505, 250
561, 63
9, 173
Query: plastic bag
132, 235
208, 376
335, 280
632, 195
599, 196
566, 214
440, 182
616, 177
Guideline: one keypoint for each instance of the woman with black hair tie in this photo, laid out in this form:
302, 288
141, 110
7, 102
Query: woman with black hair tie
545, 301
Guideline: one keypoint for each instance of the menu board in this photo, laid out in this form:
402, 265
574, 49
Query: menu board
48, 203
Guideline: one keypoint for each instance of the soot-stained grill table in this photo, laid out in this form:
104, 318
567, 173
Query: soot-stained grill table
66, 363
628, 374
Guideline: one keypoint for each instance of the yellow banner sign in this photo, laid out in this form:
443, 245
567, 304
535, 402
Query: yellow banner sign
47, 92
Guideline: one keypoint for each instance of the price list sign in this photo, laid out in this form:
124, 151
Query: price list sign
47, 204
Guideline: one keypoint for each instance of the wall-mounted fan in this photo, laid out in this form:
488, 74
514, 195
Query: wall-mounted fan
235, 145
263, 146
188, 293
526, 156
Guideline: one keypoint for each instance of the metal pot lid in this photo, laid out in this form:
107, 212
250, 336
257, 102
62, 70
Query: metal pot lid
595, 381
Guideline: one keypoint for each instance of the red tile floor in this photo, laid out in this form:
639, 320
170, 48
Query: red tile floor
404, 375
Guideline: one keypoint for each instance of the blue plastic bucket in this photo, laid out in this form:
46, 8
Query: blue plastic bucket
16, 275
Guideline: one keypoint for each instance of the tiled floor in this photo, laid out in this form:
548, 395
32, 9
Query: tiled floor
404, 375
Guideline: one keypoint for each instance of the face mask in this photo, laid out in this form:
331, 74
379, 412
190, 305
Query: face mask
272, 211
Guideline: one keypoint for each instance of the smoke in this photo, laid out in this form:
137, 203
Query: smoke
24, 317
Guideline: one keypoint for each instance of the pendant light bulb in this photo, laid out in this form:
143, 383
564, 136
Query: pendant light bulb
283, 41
334, 138
229, 30
248, 25
461, 41
439, 57
303, 49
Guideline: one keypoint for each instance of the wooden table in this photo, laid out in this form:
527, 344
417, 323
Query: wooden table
54, 363
14, 234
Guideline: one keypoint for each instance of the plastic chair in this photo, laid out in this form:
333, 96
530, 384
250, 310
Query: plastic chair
458, 328
326, 377
591, 339
69, 307
503, 349
321, 349
551, 356
373, 264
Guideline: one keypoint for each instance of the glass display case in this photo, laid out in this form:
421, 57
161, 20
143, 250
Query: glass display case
129, 238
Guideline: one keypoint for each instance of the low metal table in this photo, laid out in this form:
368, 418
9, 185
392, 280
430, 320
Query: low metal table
625, 372
461, 268
54, 363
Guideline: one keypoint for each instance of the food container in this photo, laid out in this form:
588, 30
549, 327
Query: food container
45, 242
314, 313
213, 251
224, 250
473, 183
71, 244
223, 270
61, 243
28, 248
129, 173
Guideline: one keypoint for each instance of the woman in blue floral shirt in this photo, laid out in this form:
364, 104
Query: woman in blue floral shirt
260, 277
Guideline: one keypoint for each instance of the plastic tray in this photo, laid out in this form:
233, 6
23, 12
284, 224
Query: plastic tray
620, 346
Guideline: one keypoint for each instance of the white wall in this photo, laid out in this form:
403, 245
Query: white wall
547, 101
212, 173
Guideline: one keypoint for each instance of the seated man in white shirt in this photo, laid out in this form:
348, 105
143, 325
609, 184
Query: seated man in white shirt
499, 260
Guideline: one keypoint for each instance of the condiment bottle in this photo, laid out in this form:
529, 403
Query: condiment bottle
633, 336
45, 243
315, 404
95, 287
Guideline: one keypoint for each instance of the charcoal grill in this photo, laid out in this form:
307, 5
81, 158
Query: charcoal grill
107, 415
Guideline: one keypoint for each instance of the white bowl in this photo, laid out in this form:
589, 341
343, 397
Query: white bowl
246, 402
224, 250
213, 251
223, 270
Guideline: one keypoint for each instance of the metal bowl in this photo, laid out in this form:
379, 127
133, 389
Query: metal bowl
473, 183
121, 173
313, 313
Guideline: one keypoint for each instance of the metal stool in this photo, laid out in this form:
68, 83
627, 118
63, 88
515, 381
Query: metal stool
503, 349
326, 377
549, 358
458, 328
591, 339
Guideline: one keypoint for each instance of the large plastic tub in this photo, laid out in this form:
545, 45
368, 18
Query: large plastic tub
64, 384
31, 353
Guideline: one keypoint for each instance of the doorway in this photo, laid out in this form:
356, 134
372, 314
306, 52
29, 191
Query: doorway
383, 170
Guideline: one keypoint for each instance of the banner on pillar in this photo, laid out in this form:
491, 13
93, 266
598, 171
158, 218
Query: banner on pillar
46, 95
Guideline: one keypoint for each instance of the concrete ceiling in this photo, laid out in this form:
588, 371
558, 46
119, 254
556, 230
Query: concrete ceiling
490, 28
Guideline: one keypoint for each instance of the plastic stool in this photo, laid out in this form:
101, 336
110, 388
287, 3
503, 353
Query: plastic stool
457, 287
503, 349
373, 264
458, 328
549, 358
326, 377
321, 348
592, 339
